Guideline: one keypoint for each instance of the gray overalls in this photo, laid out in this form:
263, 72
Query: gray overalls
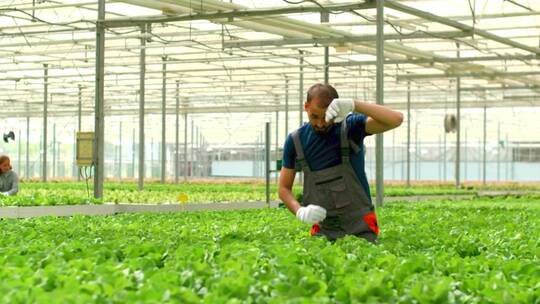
338, 190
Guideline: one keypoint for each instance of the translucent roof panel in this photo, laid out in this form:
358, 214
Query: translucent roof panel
252, 57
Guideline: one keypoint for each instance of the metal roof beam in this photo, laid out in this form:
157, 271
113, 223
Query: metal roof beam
124, 22
533, 102
464, 27
341, 40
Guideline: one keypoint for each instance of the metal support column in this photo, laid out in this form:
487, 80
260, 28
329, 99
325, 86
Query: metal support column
74, 160
164, 122
417, 157
45, 117
277, 141
394, 154
325, 18
267, 162
27, 165
458, 127
499, 151
445, 158
301, 104
191, 150
133, 149
185, 144
40, 161
286, 107
408, 133
99, 125
379, 142
507, 157
439, 164
19, 162
120, 151
465, 157
79, 125
484, 147
53, 150
151, 157
142, 66
301, 91
176, 137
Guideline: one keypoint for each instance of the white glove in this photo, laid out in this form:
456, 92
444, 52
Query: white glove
338, 109
311, 214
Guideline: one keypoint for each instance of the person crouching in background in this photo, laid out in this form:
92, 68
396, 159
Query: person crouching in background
9, 180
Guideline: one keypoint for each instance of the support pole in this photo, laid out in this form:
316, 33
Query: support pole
164, 122
99, 125
417, 157
408, 133
325, 18
79, 125
191, 150
499, 151
439, 163
142, 66
45, 117
185, 144
277, 141
176, 135
301, 104
133, 149
74, 161
301, 91
444, 156
286, 107
465, 157
484, 147
507, 158
54, 150
394, 154
458, 126
267, 162
379, 142
27, 166
151, 157
120, 151
19, 161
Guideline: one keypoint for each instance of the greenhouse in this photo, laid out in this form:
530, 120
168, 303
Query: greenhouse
278, 151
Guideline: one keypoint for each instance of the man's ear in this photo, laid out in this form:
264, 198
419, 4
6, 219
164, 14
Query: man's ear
306, 105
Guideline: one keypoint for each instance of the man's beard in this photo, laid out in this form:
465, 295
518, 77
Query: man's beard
322, 132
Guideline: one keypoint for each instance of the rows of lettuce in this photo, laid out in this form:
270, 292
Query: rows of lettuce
72, 193
480, 251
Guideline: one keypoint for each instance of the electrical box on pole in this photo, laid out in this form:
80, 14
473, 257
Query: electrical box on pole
85, 149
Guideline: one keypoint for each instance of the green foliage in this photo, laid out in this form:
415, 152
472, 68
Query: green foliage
477, 251
71, 193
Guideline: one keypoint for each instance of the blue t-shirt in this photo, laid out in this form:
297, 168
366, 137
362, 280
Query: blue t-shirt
323, 151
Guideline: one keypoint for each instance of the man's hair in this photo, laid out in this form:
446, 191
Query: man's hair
324, 92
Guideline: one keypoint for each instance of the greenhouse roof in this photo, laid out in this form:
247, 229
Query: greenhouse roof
247, 56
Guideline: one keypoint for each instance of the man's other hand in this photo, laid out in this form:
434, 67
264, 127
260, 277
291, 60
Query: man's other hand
311, 214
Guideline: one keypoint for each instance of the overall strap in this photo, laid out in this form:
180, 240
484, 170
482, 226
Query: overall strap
354, 147
344, 142
300, 157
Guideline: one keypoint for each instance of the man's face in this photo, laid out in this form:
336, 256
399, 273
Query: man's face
5, 166
316, 115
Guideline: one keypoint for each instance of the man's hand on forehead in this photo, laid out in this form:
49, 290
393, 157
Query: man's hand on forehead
339, 109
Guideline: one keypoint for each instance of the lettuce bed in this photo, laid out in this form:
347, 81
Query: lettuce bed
478, 251
47, 194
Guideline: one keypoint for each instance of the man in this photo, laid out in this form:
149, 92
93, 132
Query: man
329, 150
9, 180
